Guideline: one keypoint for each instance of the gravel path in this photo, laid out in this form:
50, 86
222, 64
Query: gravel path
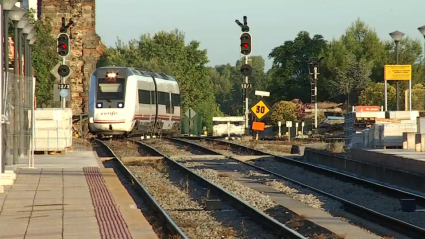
184, 200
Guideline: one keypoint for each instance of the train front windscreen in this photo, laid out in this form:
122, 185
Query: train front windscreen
110, 92
110, 89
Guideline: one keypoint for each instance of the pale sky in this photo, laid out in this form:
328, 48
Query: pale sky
271, 22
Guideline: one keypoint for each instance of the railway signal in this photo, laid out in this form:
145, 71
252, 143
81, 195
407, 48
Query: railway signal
246, 43
63, 44
64, 70
246, 70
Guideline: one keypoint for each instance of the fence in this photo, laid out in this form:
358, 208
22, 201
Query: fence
18, 101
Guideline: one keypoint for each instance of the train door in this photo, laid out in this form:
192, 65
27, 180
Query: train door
152, 108
169, 106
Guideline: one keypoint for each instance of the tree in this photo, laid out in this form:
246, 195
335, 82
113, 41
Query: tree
167, 52
44, 58
283, 111
290, 73
373, 95
355, 77
418, 96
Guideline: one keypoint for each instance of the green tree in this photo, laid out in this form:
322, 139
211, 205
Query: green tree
354, 78
290, 77
373, 95
283, 111
44, 58
350, 62
418, 96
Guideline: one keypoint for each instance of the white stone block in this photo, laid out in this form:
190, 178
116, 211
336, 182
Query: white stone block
409, 140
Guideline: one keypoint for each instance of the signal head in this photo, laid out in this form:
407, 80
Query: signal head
63, 44
246, 46
64, 70
246, 70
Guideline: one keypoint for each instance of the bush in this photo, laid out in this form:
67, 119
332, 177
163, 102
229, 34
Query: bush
283, 111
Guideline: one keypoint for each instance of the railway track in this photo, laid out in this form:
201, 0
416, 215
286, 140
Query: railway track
375, 216
142, 191
232, 211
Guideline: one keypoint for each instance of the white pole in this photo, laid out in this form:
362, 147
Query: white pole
246, 98
410, 95
63, 82
315, 93
2, 162
279, 123
228, 129
385, 95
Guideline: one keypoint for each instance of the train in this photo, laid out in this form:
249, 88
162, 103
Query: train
127, 102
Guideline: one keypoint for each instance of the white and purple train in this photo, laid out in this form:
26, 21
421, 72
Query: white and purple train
124, 101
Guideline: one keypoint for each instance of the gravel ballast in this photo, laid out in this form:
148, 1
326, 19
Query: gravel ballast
251, 196
184, 200
355, 193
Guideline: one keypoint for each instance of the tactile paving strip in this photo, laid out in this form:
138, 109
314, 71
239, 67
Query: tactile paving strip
109, 218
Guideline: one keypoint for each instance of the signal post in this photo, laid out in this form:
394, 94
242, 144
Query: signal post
246, 69
63, 70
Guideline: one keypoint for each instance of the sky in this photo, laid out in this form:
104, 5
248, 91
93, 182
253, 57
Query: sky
271, 22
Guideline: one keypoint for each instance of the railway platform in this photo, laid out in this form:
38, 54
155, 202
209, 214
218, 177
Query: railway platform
69, 196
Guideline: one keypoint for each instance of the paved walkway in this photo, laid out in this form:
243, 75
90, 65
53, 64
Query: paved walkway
69, 202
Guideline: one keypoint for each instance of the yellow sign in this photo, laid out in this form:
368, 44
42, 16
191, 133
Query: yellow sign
260, 109
398, 72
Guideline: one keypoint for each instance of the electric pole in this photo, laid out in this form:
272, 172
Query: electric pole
246, 69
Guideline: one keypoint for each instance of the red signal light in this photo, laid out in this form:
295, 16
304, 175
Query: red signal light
63, 46
246, 45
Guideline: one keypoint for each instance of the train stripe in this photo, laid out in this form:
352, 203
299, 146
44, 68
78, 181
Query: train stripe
109, 122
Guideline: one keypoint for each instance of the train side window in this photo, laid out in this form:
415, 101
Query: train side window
162, 98
153, 97
144, 97
176, 99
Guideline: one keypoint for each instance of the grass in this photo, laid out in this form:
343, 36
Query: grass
336, 147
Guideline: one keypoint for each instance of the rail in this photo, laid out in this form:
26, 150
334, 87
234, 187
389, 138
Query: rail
373, 216
257, 215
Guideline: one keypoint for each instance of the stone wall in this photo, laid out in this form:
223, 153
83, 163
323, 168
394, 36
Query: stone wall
86, 47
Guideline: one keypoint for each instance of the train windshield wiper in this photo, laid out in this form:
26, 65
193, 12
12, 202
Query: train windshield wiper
108, 100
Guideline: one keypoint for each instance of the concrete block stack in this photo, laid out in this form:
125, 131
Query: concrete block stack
53, 129
388, 130
391, 135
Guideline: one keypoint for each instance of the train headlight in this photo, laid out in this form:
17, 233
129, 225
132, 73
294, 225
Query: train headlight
120, 105
112, 74
99, 105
